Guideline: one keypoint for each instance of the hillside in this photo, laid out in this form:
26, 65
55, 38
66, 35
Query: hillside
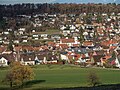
87, 1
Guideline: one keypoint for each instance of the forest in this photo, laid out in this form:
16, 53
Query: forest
56, 8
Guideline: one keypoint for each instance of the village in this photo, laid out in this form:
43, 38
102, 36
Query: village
87, 39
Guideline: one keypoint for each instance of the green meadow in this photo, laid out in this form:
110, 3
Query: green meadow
64, 76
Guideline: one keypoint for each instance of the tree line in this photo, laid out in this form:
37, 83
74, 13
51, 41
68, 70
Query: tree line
30, 9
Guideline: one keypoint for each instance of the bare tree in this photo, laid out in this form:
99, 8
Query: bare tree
93, 79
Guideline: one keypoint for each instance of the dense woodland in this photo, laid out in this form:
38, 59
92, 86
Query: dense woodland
30, 9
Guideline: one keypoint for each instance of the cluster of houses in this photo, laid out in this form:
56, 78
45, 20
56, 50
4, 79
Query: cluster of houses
79, 41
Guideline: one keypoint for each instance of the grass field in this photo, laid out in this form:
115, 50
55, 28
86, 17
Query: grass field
64, 76
49, 31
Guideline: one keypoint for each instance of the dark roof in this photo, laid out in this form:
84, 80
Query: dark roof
27, 57
97, 58
105, 47
118, 51
64, 53
52, 57
9, 57
45, 52
86, 58
118, 57
111, 59
40, 57
101, 52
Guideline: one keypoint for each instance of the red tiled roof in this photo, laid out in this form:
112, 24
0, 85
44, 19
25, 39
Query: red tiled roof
44, 47
113, 41
113, 47
70, 57
30, 48
67, 40
36, 48
87, 43
77, 56
83, 55
76, 45
108, 42
18, 48
113, 62
94, 53
69, 53
101, 32
2, 49
51, 43
99, 29
108, 28
106, 58
63, 46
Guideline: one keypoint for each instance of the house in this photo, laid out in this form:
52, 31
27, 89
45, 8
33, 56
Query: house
16, 41
75, 34
1, 40
26, 59
35, 36
3, 61
63, 46
21, 31
100, 31
37, 61
66, 32
18, 48
6, 41
37, 23
51, 43
27, 48
44, 47
62, 27
68, 41
71, 57
24, 38
2, 49
89, 27
86, 60
105, 59
37, 48
97, 59
100, 52
55, 36
117, 61
82, 59
72, 27
40, 59
7, 52
113, 42
88, 44
52, 59
25, 41
64, 56
33, 31
44, 36
5, 33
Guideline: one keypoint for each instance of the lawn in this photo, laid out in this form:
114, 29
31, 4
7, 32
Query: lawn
65, 76
49, 31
